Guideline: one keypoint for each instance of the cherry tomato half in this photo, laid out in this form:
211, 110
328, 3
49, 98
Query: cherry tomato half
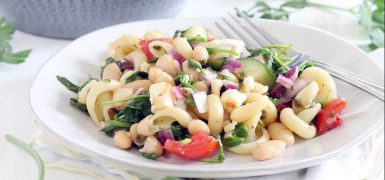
201, 146
330, 116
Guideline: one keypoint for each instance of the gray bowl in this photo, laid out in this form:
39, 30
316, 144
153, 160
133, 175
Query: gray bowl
70, 19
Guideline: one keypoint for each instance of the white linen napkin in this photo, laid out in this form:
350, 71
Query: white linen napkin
362, 162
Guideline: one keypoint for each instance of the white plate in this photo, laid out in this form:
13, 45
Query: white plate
83, 57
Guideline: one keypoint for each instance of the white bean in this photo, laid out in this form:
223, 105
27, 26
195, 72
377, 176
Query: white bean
297, 125
198, 126
122, 140
152, 146
167, 64
122, 93
112, 71
268, 150
278, 131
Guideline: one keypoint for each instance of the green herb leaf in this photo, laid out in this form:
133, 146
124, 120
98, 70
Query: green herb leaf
274, 100
241, 131
222, 51
108, 61
377, 37
6, 55
127, 99
82, 107
297, 4
68, 84
132, 113
184, 80
150, 155
135, 75
30, 151
179, 132
304, 65
233, 141
193, 64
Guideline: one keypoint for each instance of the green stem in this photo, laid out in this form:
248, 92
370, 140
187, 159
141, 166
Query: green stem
127, 99
30, 151
324, 6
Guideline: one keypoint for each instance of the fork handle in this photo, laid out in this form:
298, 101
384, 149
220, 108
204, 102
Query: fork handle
350, 74
379, 94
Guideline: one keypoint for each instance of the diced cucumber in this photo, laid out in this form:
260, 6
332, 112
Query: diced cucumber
216, 64
255, 68
196, 34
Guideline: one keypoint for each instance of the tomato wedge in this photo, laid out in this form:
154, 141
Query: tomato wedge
330, 116
144, 46
201, 146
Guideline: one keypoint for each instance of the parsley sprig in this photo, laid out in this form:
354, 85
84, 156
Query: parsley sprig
370, 15
6, 54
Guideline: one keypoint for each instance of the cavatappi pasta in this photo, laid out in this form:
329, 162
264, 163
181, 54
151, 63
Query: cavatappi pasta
193, 95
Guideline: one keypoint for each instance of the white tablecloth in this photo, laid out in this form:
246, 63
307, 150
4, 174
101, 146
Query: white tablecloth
16, 117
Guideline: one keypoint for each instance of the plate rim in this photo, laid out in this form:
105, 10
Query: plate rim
243, 171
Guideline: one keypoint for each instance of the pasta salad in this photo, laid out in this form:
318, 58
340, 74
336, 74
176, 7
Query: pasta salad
193, 96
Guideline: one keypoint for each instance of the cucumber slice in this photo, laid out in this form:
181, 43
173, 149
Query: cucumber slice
255, 68
216, 64
196, 34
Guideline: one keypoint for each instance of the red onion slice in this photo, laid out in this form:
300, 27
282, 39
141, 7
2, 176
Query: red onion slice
162, 136
278, 91
230, 85
299, 84
174, 54
232, 65
178, 91
292, 74
284, 81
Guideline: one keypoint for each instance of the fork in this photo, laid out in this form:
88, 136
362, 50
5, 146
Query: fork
251, 31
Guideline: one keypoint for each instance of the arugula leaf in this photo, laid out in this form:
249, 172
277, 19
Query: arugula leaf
138, 109
233, 141
30, 151
304, 65
135, 75
178, 33
68, 84
241, 131
150, 155
108, 61
82, 107
6, 55
179, 132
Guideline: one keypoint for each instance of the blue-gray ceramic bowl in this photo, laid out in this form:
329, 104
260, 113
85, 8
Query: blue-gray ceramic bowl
69, 19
